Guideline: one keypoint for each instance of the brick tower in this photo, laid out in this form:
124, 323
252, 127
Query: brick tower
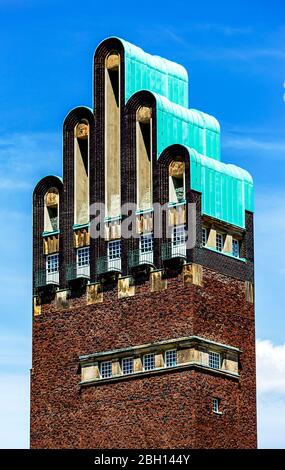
143, 341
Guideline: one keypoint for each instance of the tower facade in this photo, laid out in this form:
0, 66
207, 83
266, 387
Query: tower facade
143, 274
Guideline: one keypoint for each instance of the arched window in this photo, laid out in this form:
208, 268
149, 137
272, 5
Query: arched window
81, 173
112, 135
144, 158
51, 205
176, 182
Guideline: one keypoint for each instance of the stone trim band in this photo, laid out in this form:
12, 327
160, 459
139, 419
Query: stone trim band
191, 351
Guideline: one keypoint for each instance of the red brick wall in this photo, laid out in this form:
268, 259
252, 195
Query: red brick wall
169, 410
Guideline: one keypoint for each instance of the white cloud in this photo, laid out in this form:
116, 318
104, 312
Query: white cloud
244, 142
15, 350
270, 368
14, 410
271, 394
24, 157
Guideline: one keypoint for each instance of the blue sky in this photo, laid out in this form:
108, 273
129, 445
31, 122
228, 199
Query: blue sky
235, 57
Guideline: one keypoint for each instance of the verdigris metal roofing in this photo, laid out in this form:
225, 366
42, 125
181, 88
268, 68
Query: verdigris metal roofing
144, 71
227, 190
189, 127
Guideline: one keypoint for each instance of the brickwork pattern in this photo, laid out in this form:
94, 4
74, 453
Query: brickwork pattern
164, 411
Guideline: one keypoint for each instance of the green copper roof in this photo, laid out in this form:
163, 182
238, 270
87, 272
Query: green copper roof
179, 125
144, 71
227, 190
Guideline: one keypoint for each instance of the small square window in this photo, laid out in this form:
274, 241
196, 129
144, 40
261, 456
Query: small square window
178, 235
146, 243
83, 257
219, 241
106, 369
214, 360
52, 264
170, 358
149, 362
216, 405
127, 365
114, 249
235, 249
204, 236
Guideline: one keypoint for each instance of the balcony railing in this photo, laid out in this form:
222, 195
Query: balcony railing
43, 278
105, 265
138, 258
171, 251
73, 271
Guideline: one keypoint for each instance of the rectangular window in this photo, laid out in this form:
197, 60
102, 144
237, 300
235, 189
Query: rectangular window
214, 360
216, 405
146, 243
170, 358
219, 241
83, 257
235, 250
114, 249
106, 369
127, 365
149, 362
204, 236
52, 264
178, 235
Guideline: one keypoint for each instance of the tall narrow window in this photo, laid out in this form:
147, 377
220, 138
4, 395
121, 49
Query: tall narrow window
114, 255
204, 236
81, 173
219, 241
112, 135
52, 269
176, 182
144, 159
51, 203
83, 262
235, 249
170, 358
146, 248
216, 405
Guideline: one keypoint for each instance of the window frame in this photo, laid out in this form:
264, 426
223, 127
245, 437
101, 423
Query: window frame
118, 250
222, 235
169, 351
48, 263
206, 232
146, 237
111, 369
212, 356
129, 358
236, 242
79, 251
178, 240
216, 405
144, 361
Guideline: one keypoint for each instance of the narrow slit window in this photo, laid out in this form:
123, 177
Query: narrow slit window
216, 405
236, 248
144, 158
51, 203
204, 236
81, 173
219, 241
170, 358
